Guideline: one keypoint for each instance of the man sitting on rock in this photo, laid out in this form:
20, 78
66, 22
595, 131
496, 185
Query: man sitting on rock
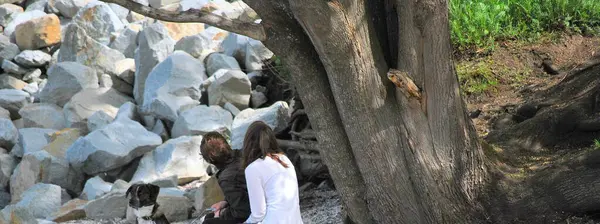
236, 207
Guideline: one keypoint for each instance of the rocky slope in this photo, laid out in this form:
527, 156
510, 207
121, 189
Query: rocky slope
94, 97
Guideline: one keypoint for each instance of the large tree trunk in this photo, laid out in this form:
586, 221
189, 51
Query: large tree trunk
419, 166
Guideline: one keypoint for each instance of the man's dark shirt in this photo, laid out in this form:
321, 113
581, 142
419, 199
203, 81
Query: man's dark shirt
233, 184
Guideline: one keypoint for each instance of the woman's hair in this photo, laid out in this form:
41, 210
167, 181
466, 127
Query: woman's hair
214, 148
260, 142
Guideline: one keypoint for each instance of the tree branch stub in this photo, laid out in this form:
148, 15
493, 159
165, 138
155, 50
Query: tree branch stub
249, 29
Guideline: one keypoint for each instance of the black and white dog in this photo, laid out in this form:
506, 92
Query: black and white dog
142, 200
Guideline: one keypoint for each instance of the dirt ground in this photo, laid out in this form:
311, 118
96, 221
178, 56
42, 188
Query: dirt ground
517, 68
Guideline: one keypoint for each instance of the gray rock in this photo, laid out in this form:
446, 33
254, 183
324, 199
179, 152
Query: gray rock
67, 8
126, 70
41, 167
154, 46
258, 99
13, 68
128, 111
161, 3
99, 21
8, 12
120, 185
14, 214
276, 116
231, 108
170, 181
4, 201
95, 188
194, 45
120, 11
13, 100
98, 120
216, 35
9, 135
231, 86
173, 86
201, 120
41, 200
31, 140
235, 45
177, 156
174, 204
7, 165
42, 115
33, 75
216, 61
126, 41
79, 47
32, 88
4, 113
21, 18
111, 147
159, 128
105, 81
37, 5
8, 50
9, 82
256, 53
65, 79
111, 205
33, 58
85, 103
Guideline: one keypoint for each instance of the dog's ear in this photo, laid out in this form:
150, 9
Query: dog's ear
131, 190
154, 191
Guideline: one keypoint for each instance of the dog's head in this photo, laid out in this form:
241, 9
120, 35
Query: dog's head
142, 195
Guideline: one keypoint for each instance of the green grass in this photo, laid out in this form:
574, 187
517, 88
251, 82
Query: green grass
476, 78
477, 24
596, 144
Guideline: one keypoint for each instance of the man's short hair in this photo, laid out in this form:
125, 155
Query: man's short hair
215, 149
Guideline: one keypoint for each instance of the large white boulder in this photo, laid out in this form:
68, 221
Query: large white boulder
195, 45
7, 165
13, 100
256, 53
41, 200
154, 46
31, 140
179, 156
99, 21
109, 206
67, 8
33, 58
42, 115
79, 46
65, 79
174, 204
41, 167
94, 188
9, 135
173, 86
111, 147
276, 116
201, 120
8, 12
126, 40
216, 61
85, 103
21, 18
231, 86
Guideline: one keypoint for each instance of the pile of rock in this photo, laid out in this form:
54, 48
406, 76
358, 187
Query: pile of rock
94, 97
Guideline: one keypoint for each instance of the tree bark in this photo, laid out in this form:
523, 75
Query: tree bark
419, 166
286, 39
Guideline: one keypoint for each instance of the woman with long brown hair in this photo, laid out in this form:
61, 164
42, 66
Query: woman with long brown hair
270, 178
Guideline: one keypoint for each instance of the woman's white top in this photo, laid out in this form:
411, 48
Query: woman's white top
273, 192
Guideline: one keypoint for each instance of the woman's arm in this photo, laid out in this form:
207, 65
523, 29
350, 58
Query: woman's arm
256, 194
